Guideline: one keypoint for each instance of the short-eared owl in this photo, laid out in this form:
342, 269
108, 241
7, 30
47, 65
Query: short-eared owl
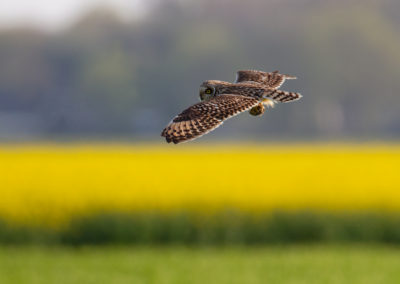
221, 100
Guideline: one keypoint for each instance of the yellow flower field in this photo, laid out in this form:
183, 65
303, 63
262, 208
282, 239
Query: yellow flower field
48, 184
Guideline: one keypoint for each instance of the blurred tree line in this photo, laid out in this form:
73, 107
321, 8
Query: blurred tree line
106, 77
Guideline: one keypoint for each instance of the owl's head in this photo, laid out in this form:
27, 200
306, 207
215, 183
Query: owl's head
209, 89
207, 92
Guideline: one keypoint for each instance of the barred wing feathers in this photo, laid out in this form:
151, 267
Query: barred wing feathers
282, 96
205, 116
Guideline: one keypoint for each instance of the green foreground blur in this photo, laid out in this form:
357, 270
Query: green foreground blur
291, 264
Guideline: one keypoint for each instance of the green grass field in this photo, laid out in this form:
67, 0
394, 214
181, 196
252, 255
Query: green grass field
293, 264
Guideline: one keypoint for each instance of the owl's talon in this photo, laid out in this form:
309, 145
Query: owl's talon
257, 110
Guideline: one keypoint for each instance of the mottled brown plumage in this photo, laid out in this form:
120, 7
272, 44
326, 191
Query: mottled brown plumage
272, 80
222, 100
205, 116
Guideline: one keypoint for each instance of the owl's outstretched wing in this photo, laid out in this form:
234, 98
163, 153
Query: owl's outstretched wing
205, 116
272, 80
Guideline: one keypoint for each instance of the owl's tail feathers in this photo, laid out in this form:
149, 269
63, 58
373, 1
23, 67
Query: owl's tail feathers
283, 96
286, 76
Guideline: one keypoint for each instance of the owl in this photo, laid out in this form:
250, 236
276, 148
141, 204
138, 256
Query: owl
252, 91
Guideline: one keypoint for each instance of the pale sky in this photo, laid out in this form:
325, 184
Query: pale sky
58, 14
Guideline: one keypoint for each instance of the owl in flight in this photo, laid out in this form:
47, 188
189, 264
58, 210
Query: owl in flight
252, 90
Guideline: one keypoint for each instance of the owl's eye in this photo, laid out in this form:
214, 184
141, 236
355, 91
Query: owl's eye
208, 91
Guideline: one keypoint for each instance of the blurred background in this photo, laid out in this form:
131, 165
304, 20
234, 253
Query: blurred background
122, 69
90, 192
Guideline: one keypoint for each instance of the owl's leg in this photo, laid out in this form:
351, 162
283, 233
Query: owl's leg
268, 103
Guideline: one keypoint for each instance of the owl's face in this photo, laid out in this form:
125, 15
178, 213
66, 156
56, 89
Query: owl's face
207, 92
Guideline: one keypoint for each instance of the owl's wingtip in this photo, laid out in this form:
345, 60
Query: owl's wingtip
168, 138
290, 77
